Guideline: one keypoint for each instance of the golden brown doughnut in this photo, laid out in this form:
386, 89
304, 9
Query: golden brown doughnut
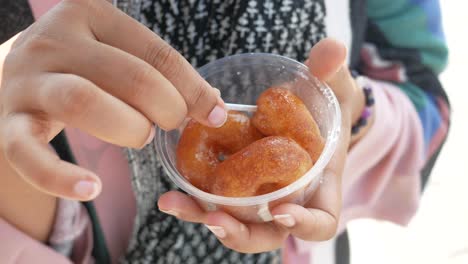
264, 166
254, 165
200, 148
281, 113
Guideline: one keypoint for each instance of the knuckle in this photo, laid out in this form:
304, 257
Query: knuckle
309, 227
84, 10
139, 82
43, 179
46, 178
332, 232
13, 147
14, 153
164, 58
168, 126
11, 67
10, 59
40, 43
301, 220
76, 99
198, 94
175, 121
325, 233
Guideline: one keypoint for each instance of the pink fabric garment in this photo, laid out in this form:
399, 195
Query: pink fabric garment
16, 247
116, 206
382, 174
71, 220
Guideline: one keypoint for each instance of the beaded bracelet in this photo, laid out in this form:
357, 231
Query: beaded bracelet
366, 113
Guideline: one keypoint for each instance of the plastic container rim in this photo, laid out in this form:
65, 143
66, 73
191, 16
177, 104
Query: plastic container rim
314, 172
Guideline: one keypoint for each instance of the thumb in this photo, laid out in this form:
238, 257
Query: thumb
326, 59
327, 63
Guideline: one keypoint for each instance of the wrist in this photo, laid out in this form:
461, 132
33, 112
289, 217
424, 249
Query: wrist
364, 115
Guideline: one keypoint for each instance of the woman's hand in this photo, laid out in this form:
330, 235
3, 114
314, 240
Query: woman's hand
86, 64
316, 220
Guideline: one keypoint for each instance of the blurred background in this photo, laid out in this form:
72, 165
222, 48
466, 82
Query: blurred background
439, 232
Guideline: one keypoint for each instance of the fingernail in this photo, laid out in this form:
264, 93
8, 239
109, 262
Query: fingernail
170, 212
218, 116
217, 231
151, 135
285, 219
86, 189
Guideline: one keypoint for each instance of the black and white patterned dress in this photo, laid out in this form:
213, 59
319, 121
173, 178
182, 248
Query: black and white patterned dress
203, 31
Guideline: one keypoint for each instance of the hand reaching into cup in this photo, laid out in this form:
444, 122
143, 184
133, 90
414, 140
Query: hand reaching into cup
86, 64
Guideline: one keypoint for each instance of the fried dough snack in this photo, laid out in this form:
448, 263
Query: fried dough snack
201, 149
281, 113
262, 167
236, 160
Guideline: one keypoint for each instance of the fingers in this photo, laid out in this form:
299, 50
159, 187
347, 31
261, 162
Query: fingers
80, 103
25, 147
132, 80
326, 58
246, 238
305, 223
326, 62
318, 219
203, 102
181, 206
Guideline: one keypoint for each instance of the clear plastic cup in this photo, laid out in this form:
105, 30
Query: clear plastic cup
241, 78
